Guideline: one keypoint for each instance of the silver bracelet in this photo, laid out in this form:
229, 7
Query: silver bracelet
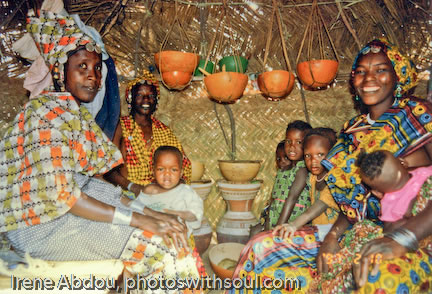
404, 237
122, 216
129, 186
137, 205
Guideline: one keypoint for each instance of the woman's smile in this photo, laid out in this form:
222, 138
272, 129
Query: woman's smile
374, 80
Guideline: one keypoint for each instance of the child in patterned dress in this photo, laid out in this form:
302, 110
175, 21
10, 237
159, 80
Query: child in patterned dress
283, 163
290, 195
324, 210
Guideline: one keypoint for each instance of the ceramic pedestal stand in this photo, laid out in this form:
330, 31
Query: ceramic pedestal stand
203, 234
234, 225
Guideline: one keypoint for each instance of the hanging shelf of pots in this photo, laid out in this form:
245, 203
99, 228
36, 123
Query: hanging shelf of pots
176, 67
316, 73
227, 85
276, 84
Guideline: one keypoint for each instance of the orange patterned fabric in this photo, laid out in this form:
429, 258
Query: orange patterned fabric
47, 143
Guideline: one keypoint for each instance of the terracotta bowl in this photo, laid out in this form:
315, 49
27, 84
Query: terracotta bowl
176, 80
226, 86
276, 83
176, 61
221, 252
239, 170
197, 170
317, 73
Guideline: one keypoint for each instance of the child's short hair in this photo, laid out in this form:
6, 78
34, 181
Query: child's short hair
371, 164
298, 125
280, 145
327, 133
170, 149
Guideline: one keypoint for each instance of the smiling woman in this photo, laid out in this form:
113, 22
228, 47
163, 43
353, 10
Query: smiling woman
381, 76
139, 134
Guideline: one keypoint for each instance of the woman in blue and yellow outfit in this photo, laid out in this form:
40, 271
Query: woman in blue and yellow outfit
392, 121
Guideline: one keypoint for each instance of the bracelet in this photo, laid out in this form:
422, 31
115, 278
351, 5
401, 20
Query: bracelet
122, 216
129, 186
404, 237
137, 205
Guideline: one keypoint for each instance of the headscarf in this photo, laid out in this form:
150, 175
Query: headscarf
147, 78
55, 35
403, 66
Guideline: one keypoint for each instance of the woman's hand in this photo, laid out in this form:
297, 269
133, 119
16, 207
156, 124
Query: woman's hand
172, 232
136, 189
386, 248
169, 218
285, 230
330, 245
184, 215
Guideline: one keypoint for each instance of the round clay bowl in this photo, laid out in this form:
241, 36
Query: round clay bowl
222, 251
176, 61
226, 86
239, 170
276, 83
317, 73
176, 80
197, 170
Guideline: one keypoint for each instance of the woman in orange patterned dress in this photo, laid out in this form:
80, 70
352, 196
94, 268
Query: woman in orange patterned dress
54, 204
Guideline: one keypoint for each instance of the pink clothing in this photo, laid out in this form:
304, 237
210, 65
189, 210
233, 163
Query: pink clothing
395, 204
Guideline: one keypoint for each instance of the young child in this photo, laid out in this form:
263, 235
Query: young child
167, 194
390, 181
290, 195
324, 210
282, 163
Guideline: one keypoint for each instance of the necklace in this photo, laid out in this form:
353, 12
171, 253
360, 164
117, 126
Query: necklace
320, 180
369, 120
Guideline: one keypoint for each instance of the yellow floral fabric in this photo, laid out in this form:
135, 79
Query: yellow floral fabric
402, 129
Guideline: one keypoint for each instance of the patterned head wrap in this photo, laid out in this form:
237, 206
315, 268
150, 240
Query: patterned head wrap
55, 35
147, 78
403, 66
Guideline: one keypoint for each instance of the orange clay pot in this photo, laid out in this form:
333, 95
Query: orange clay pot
176, 80
317, 73
226, 86
276, 84
176, 61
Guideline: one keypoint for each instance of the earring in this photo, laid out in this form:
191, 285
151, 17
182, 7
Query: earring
398, 91
357, 98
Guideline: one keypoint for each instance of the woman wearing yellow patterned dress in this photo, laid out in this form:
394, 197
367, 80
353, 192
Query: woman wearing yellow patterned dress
139, 134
